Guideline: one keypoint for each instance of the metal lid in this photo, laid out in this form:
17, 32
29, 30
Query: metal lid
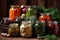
13, 24
15, 6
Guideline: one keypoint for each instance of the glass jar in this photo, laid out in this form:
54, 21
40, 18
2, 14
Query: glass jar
53, 27
13, 29
14, 11
26, 29
40, 29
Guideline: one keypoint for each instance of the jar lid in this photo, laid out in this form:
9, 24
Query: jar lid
15, 6
13, 24
42, 14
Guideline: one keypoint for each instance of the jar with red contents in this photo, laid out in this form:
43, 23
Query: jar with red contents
14, 12
45, 17
53, 27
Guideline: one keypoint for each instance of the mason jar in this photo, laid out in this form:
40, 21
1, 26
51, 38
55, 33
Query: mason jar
14, 12
13, 29
26, 29
40, 29
53, 27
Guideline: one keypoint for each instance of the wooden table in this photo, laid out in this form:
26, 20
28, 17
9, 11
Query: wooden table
19, 38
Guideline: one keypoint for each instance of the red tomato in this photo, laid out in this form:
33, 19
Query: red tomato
47, 17
42, 18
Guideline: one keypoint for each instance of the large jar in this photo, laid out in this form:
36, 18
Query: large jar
40, 29
26, 29
14, 11
53, 27
13, 29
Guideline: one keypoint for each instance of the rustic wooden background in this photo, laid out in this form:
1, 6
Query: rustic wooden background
5, 4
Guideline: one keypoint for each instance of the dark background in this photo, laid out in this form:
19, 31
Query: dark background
5, 4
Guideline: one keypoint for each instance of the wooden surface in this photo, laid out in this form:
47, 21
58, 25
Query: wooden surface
18, 38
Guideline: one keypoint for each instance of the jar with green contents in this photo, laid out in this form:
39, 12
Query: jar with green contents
40, 29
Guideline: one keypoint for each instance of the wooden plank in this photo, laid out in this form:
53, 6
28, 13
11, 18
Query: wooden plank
54, 3
58, 4
34, 2
3, 8
51, 3
41, 2
22, 2
17, 38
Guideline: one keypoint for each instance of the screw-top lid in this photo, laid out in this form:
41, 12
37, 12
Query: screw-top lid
13, 25
15, 6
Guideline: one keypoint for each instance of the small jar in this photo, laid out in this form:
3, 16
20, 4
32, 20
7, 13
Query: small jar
14, 11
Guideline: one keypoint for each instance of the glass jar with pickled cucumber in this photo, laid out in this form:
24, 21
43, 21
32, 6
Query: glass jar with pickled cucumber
13, 29
40, 29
